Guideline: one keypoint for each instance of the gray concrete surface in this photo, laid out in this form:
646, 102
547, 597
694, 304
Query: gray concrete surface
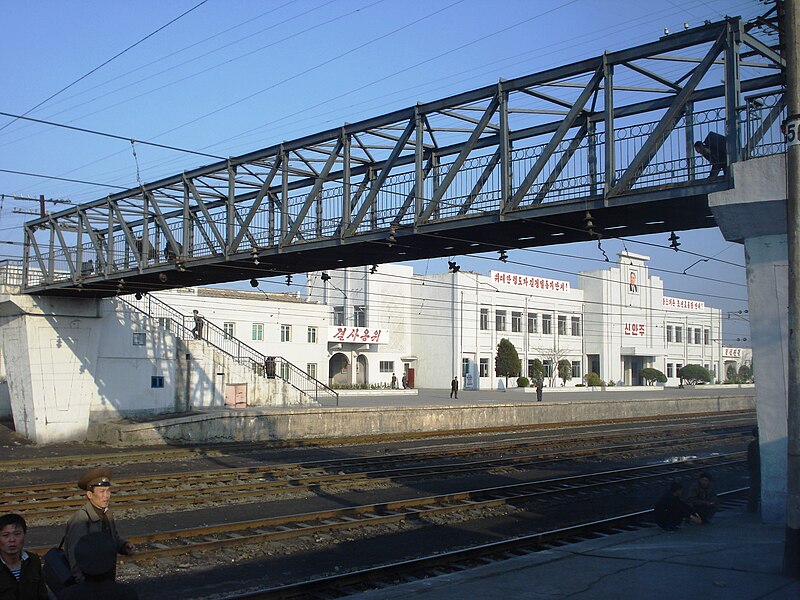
426, 412
735, 558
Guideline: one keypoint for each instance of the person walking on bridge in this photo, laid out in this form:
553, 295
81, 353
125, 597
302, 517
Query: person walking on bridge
93, 517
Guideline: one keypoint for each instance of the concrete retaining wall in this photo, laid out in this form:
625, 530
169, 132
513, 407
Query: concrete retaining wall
263, 424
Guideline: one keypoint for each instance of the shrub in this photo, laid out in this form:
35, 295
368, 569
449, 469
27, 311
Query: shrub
652, 375
580, 385
611, 383
592, 379
694, 374
523, 382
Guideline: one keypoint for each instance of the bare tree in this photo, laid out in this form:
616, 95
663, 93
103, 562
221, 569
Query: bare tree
552, 355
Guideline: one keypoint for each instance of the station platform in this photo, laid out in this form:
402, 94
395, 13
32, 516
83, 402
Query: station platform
734, 558
427, 411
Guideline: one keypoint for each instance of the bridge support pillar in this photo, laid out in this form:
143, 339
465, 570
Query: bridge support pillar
50, 348
754, 213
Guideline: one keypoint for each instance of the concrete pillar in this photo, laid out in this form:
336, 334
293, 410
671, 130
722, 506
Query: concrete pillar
754, 213
50, 346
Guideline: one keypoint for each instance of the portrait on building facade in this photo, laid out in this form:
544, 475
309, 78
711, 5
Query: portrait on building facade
633, 285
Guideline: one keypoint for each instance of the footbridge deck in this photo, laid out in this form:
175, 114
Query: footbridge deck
516, 164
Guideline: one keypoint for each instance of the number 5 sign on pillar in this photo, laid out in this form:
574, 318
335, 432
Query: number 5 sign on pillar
791, 129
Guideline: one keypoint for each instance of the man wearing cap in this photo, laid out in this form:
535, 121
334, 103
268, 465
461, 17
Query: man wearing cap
96, 557
93, 517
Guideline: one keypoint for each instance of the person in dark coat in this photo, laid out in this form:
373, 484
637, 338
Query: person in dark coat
670, 511
539, 386
454, 387
93, 517
702, 498
714, 150
754, 469
21, 571
197, 330
95, 553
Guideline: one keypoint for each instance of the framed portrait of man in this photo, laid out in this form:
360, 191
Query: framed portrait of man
633, 281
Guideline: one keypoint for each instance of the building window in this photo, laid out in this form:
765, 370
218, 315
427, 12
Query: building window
484, 367
157, 381
516, 322
706, 336
284, 370
576, 326
312, 335
311, 369
678, 367
228, 329
697, 335
576, 369
286, 333
165, 323
678, 334
338, 316
670, 372
562, 325
464, 367
547, 324
386, 366
258, 332
688, 335
484, 319
139, 339
669, 333
500, 320
533, 323
360, 316
548, 368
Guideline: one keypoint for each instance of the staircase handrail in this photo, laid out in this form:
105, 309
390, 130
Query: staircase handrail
234, 347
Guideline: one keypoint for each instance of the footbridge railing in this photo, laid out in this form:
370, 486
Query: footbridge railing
606, 133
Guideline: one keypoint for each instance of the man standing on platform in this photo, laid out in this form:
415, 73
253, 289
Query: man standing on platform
454, 387
539, 386
93, 517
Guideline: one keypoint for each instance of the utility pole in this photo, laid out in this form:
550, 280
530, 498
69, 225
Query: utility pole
791, 554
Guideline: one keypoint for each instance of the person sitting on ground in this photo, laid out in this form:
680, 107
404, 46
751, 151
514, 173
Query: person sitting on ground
21, 572
97, 559
714, 150
702, 498
670, 511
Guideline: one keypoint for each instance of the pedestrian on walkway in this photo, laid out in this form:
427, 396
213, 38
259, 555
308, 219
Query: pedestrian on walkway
197, 330
539, 386
394, 381
714, 150
93, 517
21, 572
454, 387
404, 381
754, 469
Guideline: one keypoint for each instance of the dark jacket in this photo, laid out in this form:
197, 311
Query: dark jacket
31, 582
88, 519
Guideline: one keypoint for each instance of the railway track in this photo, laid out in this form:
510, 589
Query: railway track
556, 490
380, 577
198, 488
743, 419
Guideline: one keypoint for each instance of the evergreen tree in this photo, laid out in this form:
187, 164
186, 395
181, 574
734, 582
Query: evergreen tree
506, 363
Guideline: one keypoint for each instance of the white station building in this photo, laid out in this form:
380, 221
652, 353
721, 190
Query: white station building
618, 321
72, 363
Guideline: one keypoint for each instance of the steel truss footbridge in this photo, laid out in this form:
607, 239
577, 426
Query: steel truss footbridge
511, 165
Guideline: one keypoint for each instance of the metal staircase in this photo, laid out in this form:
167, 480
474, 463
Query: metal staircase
268, 366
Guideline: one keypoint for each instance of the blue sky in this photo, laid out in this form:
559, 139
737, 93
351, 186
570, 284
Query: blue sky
232, 76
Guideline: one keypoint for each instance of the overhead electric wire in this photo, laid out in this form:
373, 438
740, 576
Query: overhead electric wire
112, 135
61, 179
100, 66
